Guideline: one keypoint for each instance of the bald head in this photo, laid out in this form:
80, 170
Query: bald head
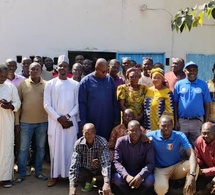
25, 66
126, 64
128, 115
114, 66
88, 127
128, 110
101, 62
133, 123
134, 131
114, 61
3, 67
77, 71
76, 65
208, 132
10, 60
208, 126
89, 133
3, 73
126, 59
177, 65
35, 70
28, 59
34, 64
101, 68
12, 66
166, 118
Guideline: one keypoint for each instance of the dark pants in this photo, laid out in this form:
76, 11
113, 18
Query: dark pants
202, 182
144, 188
85, 175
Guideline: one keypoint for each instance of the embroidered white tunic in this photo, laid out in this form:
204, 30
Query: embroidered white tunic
8, 92
60, 99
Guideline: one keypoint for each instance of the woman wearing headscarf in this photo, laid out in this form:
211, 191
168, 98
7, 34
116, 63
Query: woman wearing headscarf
158, 100
131, 95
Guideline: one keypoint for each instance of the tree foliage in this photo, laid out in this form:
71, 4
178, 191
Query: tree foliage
192, 17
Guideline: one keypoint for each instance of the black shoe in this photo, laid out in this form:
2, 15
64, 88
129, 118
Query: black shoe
41, 176
19, 179
7, 184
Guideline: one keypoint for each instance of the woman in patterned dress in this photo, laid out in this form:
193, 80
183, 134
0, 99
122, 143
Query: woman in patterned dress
158, 100
131, 95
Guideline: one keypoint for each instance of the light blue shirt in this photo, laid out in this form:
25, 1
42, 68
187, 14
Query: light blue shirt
191, 97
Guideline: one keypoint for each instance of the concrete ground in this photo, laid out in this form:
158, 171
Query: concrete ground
33, 186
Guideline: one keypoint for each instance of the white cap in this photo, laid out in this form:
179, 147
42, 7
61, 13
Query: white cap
63, 58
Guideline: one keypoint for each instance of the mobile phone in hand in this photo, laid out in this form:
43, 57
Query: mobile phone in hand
6, 102
71, 123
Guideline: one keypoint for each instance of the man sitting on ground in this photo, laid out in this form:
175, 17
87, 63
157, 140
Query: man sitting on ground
121, 130
134, 162
205, 153
167, 144
91, 157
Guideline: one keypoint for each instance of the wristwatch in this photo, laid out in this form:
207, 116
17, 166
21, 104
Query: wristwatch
193, 174
68, 116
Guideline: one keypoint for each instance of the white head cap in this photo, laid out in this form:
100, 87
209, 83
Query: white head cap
63, 58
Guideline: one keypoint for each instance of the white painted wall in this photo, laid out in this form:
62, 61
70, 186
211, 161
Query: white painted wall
52, 27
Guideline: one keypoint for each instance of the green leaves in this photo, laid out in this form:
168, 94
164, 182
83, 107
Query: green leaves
182, 21
193, 17
213, 13
189, 21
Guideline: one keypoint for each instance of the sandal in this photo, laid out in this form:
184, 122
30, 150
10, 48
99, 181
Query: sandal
88, 186
213, 190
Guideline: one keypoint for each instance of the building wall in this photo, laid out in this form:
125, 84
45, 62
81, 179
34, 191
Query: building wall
52, 27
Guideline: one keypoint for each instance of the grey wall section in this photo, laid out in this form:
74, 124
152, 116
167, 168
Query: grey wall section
205, 64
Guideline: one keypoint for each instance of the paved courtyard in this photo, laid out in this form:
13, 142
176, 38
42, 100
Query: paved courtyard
33, 186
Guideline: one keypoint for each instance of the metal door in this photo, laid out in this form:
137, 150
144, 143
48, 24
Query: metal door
157, 57
205, 64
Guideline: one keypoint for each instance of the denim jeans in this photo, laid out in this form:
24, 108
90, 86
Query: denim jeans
26, 133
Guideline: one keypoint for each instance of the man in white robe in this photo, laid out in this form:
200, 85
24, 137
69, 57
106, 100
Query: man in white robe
9, 103
61, 104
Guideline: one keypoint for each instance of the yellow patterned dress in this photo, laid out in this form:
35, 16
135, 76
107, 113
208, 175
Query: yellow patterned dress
156, 104
211, 88
133, 99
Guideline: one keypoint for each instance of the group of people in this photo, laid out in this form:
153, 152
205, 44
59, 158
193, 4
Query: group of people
135, 110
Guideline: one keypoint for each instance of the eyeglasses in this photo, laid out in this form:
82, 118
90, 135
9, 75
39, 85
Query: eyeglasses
103, 72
